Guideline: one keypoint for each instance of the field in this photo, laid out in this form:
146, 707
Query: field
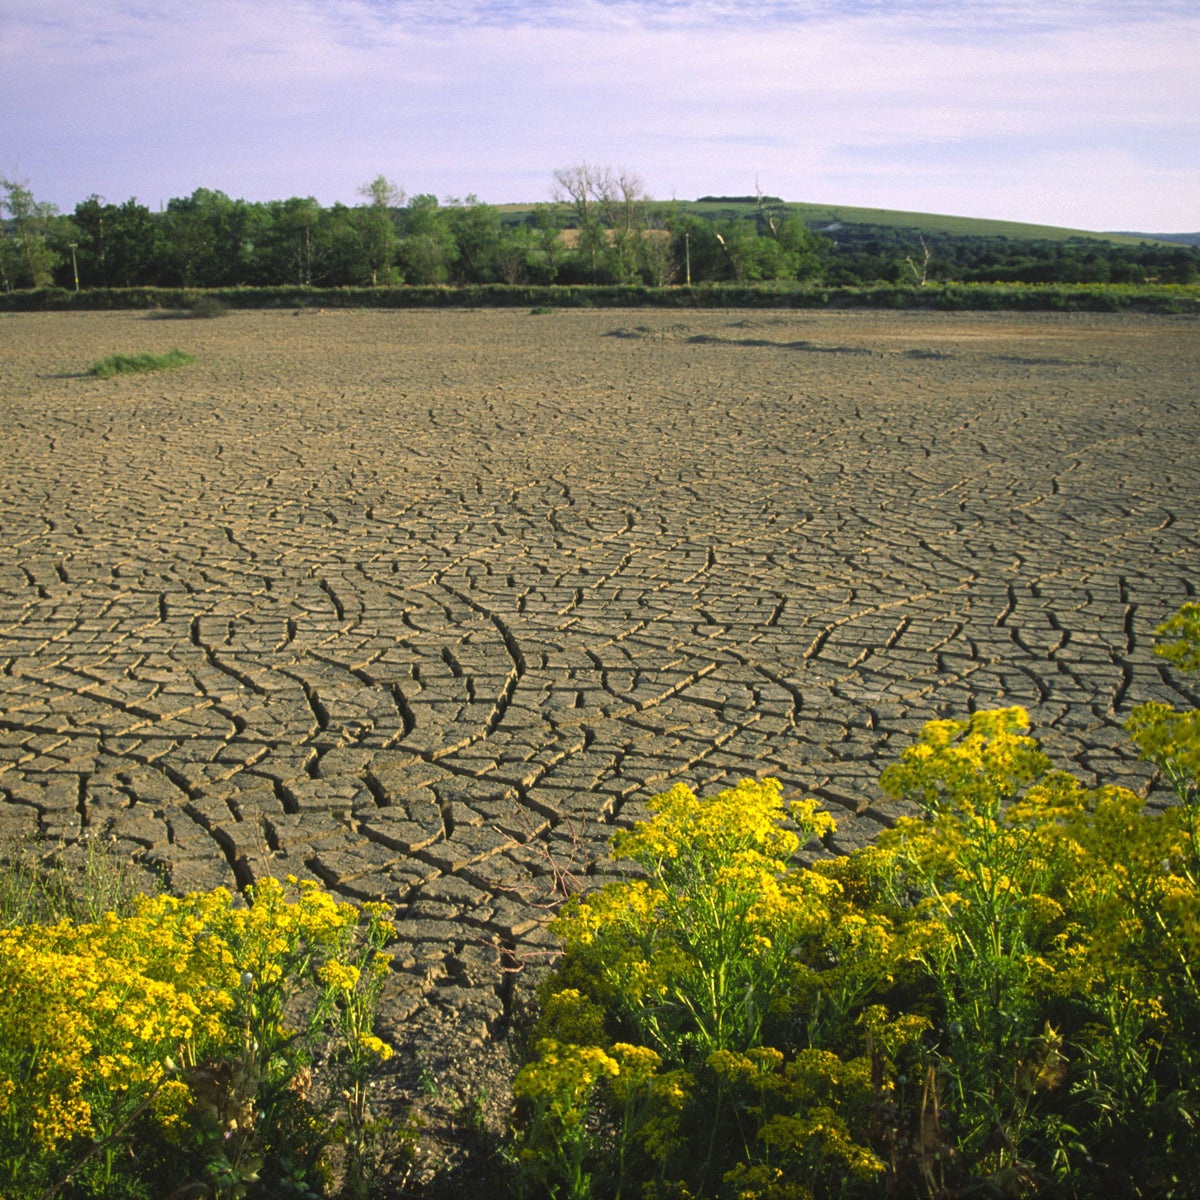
817, 215
421, 604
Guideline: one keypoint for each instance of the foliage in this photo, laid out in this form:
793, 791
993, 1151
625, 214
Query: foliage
943, 297
26, 257
602, 229
669, 1012
134, 364
207, 308
195, 1043
998, 998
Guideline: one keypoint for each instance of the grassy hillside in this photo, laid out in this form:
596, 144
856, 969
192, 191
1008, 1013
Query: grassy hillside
820, 215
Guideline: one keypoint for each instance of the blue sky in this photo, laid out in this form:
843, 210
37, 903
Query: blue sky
1083, 113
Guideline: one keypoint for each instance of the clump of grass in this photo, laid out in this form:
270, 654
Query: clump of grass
540, 311
42, 882
208, 307
132, 364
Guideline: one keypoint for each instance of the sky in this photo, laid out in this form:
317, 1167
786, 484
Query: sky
1080, 113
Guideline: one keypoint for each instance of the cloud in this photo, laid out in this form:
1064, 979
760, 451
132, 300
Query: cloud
924, 105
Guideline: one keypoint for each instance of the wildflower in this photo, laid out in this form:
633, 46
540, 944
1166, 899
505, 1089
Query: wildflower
339, 977
375, 1046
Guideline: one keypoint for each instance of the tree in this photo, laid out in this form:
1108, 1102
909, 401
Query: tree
804, 250
547, 224
210, 238
377, 229
136, 249
611, 211
475, 228
93, 223
428, 250
695, 244
577, 187
291, 248
26, 259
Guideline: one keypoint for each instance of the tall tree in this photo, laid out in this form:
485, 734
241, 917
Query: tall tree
93, 219
292, 249
26, 258
377, 229
210, 238
623, 202
547, 223
136, 254
475, 228
577, 187
427, 250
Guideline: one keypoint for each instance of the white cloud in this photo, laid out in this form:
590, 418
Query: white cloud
933, 105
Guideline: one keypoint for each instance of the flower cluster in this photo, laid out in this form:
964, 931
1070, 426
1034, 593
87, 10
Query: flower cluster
999, 997
159, 1042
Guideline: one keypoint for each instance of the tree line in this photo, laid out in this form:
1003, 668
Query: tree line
600, 228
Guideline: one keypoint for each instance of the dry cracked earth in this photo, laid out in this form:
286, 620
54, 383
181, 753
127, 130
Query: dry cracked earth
421, 605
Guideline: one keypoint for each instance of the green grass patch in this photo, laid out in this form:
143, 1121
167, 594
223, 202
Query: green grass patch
134, 364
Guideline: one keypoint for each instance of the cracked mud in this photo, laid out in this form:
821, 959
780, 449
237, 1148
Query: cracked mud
422, 604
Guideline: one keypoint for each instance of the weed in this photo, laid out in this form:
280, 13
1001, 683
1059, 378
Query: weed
41, 883
998, 998
132, 364
207, 308
163, 1048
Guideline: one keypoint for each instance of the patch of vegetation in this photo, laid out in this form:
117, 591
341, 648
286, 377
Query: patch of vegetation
949, 297
207, 308
540, 310
43, 883
134, 364
199, 1046
603, 228
998, 998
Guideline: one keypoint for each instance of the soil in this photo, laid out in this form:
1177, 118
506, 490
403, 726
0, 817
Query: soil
424, 604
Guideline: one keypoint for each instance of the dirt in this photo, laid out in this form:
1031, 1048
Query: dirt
424, 604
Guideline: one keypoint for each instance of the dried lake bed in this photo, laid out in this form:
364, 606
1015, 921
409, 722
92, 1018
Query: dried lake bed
423, 604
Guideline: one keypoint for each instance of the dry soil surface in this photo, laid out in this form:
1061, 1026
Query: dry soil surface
423, 604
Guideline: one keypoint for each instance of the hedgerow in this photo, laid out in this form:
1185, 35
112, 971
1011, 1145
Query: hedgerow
953, 297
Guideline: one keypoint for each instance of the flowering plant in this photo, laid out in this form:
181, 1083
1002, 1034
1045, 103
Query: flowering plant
140, 1050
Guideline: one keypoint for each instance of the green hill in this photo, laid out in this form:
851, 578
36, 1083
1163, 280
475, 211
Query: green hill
819, 216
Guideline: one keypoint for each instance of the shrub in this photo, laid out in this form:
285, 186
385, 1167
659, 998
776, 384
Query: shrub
162, 1050
998, 998
132, 364
208, 307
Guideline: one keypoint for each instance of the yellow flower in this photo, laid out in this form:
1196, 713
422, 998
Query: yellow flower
376, 1046
339, 977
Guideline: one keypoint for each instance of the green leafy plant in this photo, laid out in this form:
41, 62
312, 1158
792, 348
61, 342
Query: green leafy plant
195, 1041
133, 364
208, 308
998, 998
659, 1027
